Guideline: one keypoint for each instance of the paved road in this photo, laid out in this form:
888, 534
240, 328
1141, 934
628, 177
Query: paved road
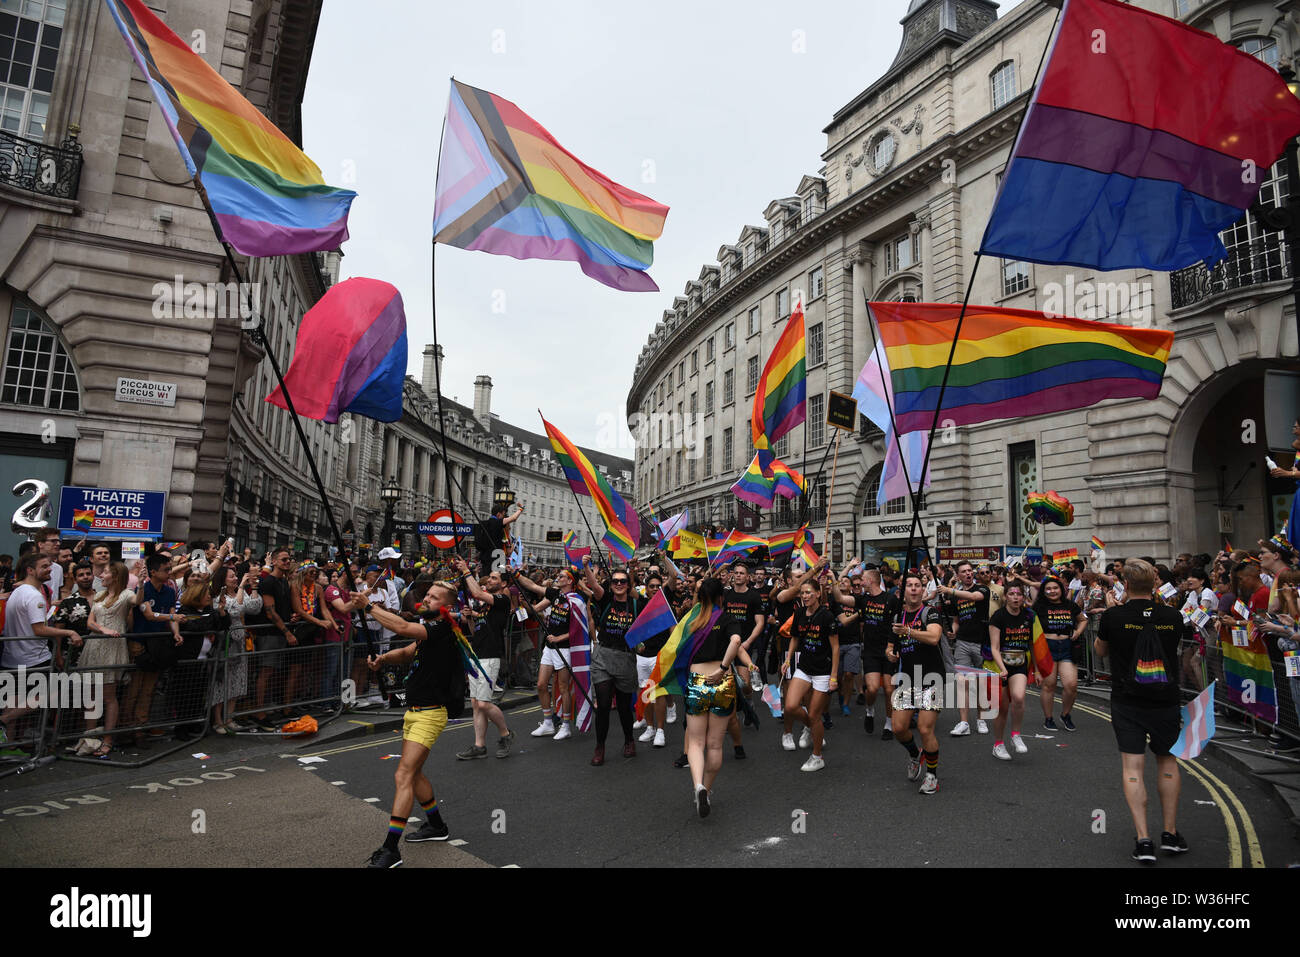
547, 806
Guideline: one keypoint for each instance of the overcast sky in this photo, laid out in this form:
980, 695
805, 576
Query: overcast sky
723, 104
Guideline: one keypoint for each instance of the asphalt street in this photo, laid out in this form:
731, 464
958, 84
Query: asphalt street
269, 803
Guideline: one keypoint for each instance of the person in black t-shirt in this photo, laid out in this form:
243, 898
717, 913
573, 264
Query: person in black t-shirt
555, 657
1142, 706
920, 681
613, 665
744, 605
1063, 622
1011, 642
710, 692
488, 642
876, 609
655, 721
430, 653
814, 635
968, 605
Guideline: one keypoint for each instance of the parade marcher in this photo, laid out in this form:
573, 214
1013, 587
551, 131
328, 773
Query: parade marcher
1011, 640
488, 642
1063, 622
919, 681
813, 634
710, 694
969, 603
849, 626
877, 609
1141, 639
656, 712
613, 664
555, 659
744, 605
432, 656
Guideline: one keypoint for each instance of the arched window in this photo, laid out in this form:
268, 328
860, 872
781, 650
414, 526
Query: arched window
895, 506
1003, 83
1261, 48
37, 370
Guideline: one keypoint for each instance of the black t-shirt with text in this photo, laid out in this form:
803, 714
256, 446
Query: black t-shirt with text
613, 619
914, 654
744, 607
1059, 618
1015, 632
812, 635
877, 613
971, 618
557, 623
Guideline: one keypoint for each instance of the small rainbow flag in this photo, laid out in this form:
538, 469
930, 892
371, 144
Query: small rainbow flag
789, 481
781, 545
803, 547
738, 545
1098, 544
754, 485
83, 519
622, 523
573, 554
170, 546
505, 186
1042, 654
268, 197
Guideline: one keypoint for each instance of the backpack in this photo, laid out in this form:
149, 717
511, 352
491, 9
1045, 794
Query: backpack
1150, 669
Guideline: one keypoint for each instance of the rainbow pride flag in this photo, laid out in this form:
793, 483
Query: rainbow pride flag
674, 661
1011, 363
622, 524
803, 547
350, 355
789, 482
779, 400
505, 186
268, 197
781, 545
1041, 653
1136, 153
573, 554
1098, 544
1250, 664
754, 485
83, 519
739, 545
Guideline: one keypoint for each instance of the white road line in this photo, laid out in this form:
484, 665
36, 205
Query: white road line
458, 843
372, 800
337, 783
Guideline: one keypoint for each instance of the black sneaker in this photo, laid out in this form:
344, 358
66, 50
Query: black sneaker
1172, 843
1145, 851
1050, 725
887, 735
862, 699
385, 858
503, 745
472, 752
740, 752
827, 724
681, 761
427, 832
1067, 723
869, 723
702, 801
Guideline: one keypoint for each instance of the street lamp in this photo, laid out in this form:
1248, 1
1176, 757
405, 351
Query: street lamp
390, 494
503, 496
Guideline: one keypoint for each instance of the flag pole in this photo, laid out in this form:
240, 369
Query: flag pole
961, 316
830, 492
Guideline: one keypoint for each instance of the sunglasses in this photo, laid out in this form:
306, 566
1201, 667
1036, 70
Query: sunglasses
620, 581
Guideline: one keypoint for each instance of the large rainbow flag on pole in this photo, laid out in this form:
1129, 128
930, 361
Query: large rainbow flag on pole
900, 475
1011, 363
505, 186
622, 524
268, 197
779, 400
1144, 139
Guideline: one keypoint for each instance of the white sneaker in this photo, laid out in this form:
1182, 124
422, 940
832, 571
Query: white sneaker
1000, 752
637, 726
659, 738
1020, 746
930, 784
982, 726
545, 729
671, 717
814, 763
755, 680
787, 741
805, 739
962, 729
566, 731
647, 735
914, 768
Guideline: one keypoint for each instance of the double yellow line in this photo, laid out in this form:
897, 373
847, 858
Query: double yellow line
1213, 786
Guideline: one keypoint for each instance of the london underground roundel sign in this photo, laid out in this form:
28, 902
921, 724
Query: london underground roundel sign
442, 528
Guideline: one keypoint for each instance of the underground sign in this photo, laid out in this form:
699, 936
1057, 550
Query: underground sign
442, 528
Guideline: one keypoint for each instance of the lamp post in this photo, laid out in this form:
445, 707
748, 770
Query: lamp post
390, 494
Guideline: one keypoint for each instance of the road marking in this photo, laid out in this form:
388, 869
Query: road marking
372, 800
1205, 776
337, 783
458, 843
506, 866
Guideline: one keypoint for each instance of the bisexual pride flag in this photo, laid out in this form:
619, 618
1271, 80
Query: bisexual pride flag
655, 618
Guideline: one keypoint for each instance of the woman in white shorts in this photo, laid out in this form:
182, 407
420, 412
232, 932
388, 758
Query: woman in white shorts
813, 632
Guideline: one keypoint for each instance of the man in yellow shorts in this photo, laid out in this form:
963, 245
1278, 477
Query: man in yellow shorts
433, 646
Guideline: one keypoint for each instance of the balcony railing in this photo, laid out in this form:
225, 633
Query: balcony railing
1259, 261
53, 171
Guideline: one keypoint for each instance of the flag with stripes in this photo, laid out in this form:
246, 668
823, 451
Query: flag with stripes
1198, 725
580, 661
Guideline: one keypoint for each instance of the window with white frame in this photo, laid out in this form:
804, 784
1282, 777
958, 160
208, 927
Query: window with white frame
708, 456
708, 349
729, 337
753, 321
816, 420
30, 33
751, 377
816, 283
37, 370
727, 460
728, 387
900, 253
1015, 276
695, 362
1261, 48
708, 398
782, 447
816, 345
782, 303
1003, 83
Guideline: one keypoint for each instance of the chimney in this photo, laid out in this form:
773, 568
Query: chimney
427, 380
483, 401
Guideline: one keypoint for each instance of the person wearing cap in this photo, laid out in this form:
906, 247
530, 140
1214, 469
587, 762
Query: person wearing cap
391, 560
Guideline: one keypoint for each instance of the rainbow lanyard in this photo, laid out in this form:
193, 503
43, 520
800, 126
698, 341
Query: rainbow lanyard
915, 620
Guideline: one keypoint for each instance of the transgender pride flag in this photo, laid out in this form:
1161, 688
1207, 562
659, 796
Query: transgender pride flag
875, 394
1198, 725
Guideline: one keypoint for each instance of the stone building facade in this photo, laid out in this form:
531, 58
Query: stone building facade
896, 212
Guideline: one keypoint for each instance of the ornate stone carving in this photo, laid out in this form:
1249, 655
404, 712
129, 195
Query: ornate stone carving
913, 124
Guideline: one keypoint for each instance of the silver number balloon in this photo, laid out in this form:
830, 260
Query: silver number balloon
33, 515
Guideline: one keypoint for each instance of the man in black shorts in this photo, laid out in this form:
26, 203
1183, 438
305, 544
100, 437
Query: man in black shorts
745, 605
968, 605
1141, 705
877, 608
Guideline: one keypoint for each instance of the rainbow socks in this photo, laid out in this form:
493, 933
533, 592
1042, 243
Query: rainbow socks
431, 811
932, 762
396, 825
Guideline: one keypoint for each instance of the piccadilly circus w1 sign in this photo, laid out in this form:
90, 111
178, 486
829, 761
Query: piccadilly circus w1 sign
443, 527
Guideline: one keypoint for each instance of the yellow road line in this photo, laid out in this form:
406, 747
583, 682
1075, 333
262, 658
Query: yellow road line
1204, 775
